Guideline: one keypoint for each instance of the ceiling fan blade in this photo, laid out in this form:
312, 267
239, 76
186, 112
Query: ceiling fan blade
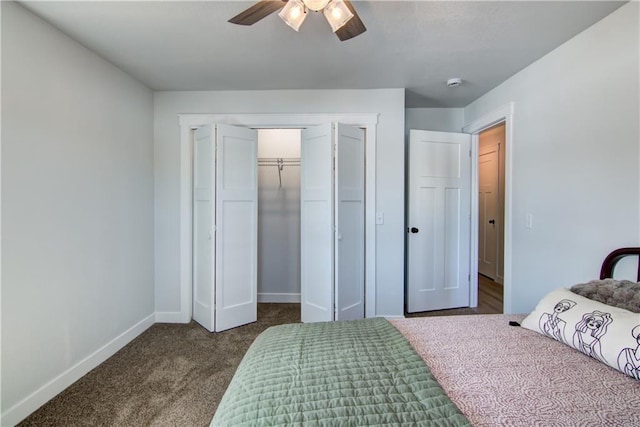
353, 27
258, 11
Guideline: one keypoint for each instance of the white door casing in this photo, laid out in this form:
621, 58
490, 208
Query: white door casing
316, 223
349, 215
489, 218
236, 226
503, 114
188, 122
203, 232
438, 242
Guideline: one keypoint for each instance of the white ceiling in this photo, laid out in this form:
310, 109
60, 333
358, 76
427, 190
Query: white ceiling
417, 45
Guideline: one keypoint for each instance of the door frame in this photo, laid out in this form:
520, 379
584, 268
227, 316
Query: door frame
189, 122
502, 114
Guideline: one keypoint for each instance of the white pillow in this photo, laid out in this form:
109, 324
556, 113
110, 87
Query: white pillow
608, 334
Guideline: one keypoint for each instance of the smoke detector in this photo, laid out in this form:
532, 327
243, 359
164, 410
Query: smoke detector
454, 82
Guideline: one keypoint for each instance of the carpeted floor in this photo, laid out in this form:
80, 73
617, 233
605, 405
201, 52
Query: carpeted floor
171, 375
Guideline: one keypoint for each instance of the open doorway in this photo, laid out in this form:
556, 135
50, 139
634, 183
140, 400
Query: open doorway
190, 122
279, 216
502, 295
491, 196
323, 247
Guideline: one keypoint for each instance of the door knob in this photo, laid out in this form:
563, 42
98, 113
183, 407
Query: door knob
414, 230
492, 221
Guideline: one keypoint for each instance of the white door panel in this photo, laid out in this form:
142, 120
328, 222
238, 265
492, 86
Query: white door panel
451, 241
332, 223
203, 234
488, 170
349, 205
236, 227
438, 221
316, 219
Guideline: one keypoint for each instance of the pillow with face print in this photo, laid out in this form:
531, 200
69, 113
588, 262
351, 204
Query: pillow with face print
605, 333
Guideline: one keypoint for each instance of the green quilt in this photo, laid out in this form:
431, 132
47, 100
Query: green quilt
361, 372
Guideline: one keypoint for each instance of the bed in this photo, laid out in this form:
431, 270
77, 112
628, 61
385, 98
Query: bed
480, 370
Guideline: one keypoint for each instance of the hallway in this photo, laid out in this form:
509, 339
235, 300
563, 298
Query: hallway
490, 301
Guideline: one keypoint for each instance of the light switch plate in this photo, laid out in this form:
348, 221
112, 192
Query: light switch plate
528, 221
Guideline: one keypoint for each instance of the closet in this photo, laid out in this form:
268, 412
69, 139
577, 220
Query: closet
272, 224
279, 215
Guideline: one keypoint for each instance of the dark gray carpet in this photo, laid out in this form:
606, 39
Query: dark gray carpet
171, 375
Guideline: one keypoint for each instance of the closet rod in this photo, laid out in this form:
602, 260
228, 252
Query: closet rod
280, 162
277, 160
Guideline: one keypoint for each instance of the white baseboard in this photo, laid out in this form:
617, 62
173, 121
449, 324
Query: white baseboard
400, 316
29, 404
169, 317
278, 297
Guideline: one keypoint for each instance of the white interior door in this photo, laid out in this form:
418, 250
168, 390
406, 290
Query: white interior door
488, 173
316, 223
236, 226
203, 233
439, 221
349, 215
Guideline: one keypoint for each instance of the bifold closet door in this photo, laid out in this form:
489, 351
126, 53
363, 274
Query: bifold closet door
332, 223
225, 226
203, 226
236, 254
349, 218
316, 223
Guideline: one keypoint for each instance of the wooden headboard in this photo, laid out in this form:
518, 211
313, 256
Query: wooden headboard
612, 259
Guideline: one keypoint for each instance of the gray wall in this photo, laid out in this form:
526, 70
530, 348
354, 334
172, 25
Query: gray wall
437, 119
77, 209
575, 156
389, 103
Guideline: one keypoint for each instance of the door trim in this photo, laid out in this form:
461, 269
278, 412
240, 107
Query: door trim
188, 122
502, 114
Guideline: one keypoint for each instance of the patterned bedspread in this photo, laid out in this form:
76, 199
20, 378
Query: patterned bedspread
362, 372
510, 376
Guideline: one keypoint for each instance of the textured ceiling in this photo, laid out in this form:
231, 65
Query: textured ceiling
417, 45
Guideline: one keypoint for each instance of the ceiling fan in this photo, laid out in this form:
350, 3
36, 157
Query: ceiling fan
340, 14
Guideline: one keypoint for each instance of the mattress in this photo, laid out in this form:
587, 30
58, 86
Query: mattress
510, 376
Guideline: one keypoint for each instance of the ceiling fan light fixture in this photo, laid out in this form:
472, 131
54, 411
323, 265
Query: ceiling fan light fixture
293, 13
316, 5
337, 14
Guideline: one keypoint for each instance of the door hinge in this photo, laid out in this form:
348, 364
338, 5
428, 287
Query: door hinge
469, 278
469, 153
